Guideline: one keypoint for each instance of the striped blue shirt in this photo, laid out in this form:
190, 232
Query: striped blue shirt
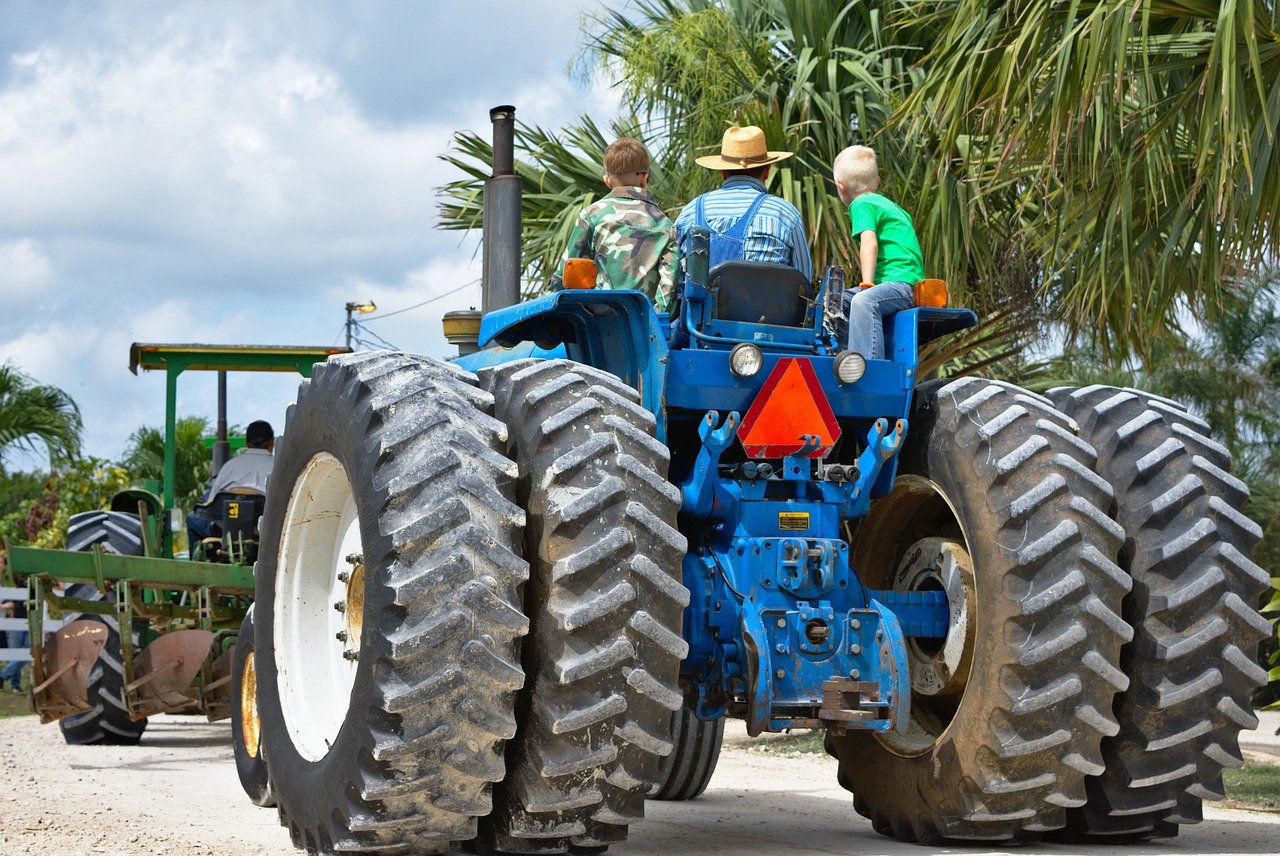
776, 233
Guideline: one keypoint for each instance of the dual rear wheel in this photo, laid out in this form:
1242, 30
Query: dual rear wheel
1111, 613
468, 609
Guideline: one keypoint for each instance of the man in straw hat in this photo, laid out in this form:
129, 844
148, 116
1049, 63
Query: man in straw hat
744, 220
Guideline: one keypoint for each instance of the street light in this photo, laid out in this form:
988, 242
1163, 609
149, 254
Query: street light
354, 307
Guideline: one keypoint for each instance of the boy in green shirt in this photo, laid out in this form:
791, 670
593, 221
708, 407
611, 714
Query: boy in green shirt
888, 251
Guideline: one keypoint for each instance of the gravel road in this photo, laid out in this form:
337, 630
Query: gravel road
177, 793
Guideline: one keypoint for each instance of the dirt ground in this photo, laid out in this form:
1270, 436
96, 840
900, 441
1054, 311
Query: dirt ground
177, 793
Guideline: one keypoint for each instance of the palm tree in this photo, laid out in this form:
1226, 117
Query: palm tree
1231, 376
144, 458
1058, 157
816, 77
34, 415
1139, 136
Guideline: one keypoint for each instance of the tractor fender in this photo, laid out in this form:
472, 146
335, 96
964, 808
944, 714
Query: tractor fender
616, 331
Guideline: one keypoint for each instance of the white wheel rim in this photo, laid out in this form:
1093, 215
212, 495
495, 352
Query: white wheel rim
313, 677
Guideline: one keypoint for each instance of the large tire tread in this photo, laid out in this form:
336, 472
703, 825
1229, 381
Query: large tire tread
1029, 728
116, 532
106, 722
442, 609
687, 771
1191, 663
605, 601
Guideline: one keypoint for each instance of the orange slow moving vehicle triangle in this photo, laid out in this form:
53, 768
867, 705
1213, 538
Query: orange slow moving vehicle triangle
790, 405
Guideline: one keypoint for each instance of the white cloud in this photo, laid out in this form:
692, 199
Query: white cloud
236, 173
25, 270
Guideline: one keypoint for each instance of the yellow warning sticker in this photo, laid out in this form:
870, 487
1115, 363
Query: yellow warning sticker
793, 520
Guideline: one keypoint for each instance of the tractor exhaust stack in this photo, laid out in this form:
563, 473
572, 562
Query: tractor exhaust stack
500, 277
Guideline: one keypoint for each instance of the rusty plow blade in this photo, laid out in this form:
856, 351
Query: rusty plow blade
166, 668
69, 655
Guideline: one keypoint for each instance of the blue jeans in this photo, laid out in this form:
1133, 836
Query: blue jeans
13, 671
867, 311
198, 528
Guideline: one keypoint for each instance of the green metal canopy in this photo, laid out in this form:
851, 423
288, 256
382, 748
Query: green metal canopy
174, 359
228, 358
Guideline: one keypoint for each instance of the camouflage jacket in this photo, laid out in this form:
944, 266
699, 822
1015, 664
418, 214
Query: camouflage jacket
632, 242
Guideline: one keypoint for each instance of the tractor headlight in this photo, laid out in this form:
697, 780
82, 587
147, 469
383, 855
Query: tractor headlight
745, 360
850, 366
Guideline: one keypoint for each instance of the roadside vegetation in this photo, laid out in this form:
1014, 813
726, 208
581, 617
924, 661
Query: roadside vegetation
13, 704
35, 506
1254, 786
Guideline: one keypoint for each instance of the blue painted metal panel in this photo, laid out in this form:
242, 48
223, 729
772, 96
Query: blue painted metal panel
921, 613
701, 381
496, 356
776, 612
616, 331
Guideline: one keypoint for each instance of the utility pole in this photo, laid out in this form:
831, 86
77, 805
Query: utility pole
354, 307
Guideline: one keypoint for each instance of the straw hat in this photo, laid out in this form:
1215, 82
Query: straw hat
742, 148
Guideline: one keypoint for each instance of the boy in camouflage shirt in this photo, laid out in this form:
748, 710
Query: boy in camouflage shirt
631, 240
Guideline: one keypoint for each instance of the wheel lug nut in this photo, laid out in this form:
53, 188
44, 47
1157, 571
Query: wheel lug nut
343, 576
340, 606
355, 559
350, 655
342, 636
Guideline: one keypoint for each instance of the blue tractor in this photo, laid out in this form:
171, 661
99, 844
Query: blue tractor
503, 600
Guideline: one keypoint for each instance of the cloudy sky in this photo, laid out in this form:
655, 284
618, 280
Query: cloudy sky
235, 172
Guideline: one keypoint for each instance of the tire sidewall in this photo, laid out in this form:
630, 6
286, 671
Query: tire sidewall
316, 788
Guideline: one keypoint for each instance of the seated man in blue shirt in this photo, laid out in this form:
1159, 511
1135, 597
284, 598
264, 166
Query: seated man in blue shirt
746, 223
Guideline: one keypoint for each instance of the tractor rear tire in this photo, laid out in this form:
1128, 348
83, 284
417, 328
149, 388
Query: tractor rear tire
687, 771
994, 478
246, 730
117, 532
387, 616
1190, 665
605, 600
106, 722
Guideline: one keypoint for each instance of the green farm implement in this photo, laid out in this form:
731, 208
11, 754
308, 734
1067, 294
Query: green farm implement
144, 632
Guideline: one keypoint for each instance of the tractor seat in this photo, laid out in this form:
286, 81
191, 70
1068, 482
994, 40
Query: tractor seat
760, 293
235, 524
234, 512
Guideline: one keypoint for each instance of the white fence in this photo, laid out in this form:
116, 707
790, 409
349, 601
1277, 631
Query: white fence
6, 624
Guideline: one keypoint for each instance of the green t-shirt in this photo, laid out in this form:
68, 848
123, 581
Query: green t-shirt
899, 258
